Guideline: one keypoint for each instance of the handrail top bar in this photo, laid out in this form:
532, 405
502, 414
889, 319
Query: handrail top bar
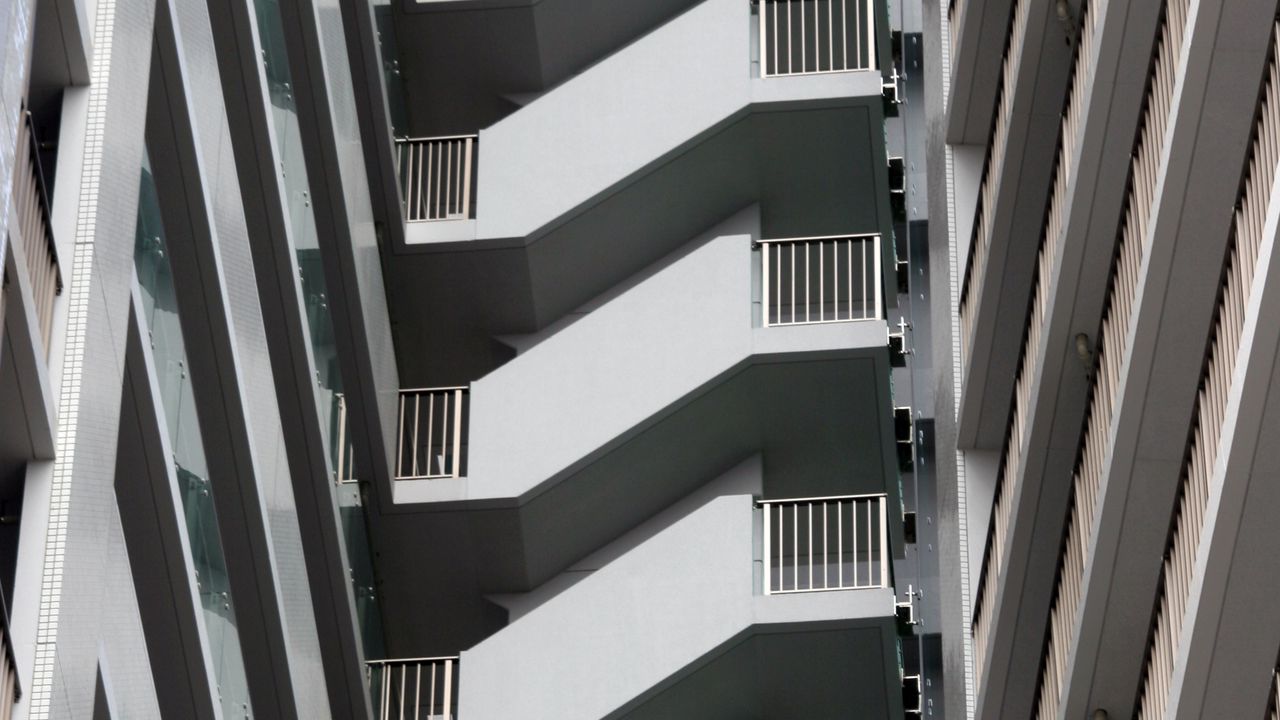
828, 498
473, 136
434, 389
846, 236
394, 661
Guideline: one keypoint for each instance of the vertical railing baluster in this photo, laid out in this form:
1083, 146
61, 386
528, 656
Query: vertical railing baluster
807, 303
386, 692
441, 180
844, 34
417, 408
804, 54
853, 539
417, 691
444, 437
778, 268
766, 549
871, 37
822, 283
809, 508
857, 35
793, 282
432, 189
795, 544
451, 190
790, 52
826, 562
400, 441
782, 550
863, 282
875, 274
403, 670
448, 689
831, 36
432, 706
457, 433
840, 544
764, 285
884, 542
870, 565
465, 210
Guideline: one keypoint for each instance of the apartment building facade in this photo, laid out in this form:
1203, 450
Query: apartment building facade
1106, 172
470, 358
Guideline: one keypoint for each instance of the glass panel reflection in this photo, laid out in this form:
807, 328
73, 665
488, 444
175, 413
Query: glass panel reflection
283, 110
160, 325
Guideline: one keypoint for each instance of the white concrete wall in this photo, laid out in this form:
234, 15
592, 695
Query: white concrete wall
622, 364
641, 103
638, 620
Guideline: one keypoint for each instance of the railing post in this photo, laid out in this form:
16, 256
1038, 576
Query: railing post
457, 433
448, 689
875, 272
400, 441
465, 210
767, 551
884, 542
417, 407
764, 284
873, 62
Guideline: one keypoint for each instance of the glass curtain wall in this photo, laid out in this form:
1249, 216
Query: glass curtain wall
282, 107
162, 330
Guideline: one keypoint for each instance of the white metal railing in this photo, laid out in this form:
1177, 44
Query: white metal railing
432, 434
1230, 316
1031, 351
825, 543
345, 472
980, 243
826, 279
1112, 347
414, 688
437, 177
31, 212
808, 37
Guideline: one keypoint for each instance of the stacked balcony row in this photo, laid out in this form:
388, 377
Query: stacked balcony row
804, 281
992, 171
1111, 355
808, 545
438, 175
1031, 351
1216, 384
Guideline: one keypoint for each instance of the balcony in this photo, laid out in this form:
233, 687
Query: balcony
436, 178
820, 280
845, 548
806, 37
1231, 318
432, 435
1111, 349
449, 437
606, 418
35, 230
672, 628
567, 148
1031, 352
418, 688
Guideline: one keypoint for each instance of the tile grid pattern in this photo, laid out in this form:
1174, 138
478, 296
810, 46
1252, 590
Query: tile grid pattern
78, 304
962, 505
